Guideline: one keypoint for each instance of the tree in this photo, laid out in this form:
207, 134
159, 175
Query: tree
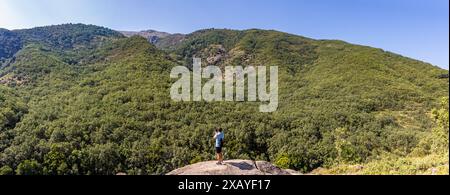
6, 170
29, 167
440, 134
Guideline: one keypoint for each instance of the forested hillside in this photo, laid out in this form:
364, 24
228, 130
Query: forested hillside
81, 99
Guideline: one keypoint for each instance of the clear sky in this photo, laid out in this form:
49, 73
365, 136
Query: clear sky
415, 28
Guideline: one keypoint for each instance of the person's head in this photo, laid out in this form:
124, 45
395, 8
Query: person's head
219, 129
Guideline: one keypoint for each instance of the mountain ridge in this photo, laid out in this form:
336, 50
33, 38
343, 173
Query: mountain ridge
155, 36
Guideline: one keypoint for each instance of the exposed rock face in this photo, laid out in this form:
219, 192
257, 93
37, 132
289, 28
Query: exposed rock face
151, 35
170, 42
233, 167
162, 40
12, 80
215, 54
443, 76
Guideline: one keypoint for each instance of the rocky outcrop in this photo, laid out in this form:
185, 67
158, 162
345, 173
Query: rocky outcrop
151, 35
12, 80
162, 40
233, 167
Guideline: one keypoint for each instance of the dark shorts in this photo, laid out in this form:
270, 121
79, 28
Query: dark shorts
218, 150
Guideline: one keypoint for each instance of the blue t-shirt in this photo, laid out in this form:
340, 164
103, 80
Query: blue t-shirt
219, 137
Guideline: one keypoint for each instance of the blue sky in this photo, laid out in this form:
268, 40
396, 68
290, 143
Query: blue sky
415, 28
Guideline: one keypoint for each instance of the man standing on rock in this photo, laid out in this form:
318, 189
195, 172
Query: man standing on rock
219, 136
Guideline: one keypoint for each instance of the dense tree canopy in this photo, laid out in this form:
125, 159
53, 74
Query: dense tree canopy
94, 102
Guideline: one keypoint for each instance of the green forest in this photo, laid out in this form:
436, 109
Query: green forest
80, 99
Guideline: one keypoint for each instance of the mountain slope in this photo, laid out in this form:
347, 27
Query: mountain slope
67, 36
97, 102
53, 50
